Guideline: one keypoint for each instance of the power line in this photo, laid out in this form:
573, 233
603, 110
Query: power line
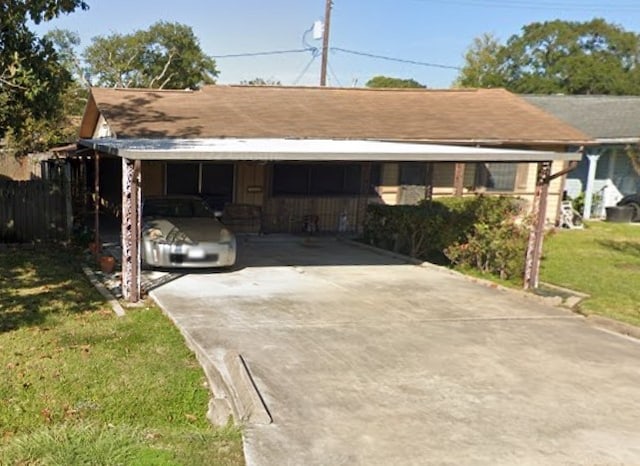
333, 74
399, 60
257, 54
541, 5
305, 69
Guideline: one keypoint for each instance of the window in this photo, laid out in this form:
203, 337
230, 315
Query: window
413, 173
316, 179
498, 176
183, 178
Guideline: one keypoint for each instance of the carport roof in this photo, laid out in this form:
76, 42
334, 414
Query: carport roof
307, 150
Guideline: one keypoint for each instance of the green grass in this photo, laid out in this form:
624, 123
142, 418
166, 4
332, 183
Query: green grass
602, 260
79, 385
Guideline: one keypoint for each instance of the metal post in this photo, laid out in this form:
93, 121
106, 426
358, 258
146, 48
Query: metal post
96, 205
131, 218
536, 235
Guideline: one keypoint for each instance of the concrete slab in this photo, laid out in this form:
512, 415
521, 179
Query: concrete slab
363, 359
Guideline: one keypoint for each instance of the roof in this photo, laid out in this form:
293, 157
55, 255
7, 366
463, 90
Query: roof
296, 150
602, 117
465, 116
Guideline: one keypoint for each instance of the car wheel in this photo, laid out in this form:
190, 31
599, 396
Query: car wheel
635, 217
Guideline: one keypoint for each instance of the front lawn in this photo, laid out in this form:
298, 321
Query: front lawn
602, 260
79, 385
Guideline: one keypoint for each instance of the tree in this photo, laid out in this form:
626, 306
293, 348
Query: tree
387, 81
567, 57
31, 78
482, 68
261, 82
166, 56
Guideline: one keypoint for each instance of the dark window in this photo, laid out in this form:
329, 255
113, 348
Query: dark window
316, 179
413, 173
500, 176
182, 178
217, 184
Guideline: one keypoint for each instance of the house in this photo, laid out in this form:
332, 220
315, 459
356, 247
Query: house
605, 174
326, 152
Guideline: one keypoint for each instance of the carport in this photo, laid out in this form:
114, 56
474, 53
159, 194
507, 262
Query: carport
262, 150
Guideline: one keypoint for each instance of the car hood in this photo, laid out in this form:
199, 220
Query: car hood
189, 230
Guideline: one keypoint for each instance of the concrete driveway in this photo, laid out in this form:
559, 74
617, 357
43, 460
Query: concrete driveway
362, 359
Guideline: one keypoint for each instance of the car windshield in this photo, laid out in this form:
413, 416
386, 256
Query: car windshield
175, 208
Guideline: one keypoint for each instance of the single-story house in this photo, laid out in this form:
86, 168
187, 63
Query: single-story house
296, 151
605, 174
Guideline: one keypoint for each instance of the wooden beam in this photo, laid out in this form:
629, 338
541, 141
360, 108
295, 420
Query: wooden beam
458, 180
428, 182
536, 235
363, 200
131, 219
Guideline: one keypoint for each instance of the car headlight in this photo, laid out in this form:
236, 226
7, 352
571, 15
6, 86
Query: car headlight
225, 236
154, 234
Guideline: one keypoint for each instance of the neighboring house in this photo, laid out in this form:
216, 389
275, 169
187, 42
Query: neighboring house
288, 190
605, 174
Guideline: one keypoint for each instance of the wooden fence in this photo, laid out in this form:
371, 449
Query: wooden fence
37, 210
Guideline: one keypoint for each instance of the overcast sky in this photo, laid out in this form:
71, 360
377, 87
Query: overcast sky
436, 32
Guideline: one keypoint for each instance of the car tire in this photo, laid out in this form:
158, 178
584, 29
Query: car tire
635, 217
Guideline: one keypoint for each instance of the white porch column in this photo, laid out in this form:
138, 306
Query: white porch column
588, 191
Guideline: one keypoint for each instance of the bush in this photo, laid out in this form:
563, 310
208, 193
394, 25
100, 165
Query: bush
484, 232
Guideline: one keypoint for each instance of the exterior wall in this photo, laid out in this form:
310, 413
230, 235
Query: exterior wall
152, 178
615, 178
287, 214
250, 186
253, 186
388, 189
21, 169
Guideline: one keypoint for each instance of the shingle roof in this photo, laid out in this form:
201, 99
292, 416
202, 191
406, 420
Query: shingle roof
600, 117
445, 116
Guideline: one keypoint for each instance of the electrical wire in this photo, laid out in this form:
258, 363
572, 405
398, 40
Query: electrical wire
333, 74
399, 60
257, 54
305, 69
541, 5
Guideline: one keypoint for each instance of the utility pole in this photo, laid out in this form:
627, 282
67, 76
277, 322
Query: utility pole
325, 42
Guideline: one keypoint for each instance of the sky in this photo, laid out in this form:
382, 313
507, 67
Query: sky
435, 33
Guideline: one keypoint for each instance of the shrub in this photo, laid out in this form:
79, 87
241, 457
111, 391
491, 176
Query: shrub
484, 232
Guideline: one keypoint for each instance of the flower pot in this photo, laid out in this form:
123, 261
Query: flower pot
107, 264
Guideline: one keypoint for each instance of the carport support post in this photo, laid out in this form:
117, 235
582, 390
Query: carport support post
536, 235
96, 205
131, 212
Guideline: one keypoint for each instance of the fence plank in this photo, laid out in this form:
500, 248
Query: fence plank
31, 211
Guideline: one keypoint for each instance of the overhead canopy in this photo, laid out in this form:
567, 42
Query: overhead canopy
311, 150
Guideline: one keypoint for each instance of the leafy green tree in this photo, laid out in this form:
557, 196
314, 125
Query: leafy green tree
32, 80
166, 56
482, 67
261, 82
593, 57
387, 81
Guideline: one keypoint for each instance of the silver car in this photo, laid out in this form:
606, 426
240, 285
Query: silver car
181, 231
